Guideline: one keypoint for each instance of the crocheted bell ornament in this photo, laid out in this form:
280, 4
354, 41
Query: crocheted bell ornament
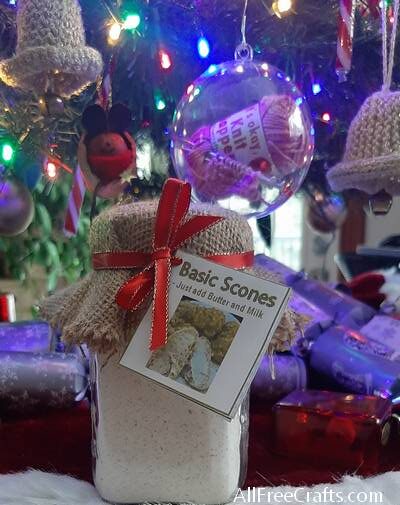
371, 161
51, 53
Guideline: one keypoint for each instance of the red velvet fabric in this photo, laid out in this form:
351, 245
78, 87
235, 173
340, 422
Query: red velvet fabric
59, 441
54, 441
365, 288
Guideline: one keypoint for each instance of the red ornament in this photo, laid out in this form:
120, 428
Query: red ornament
109, 155
106, 150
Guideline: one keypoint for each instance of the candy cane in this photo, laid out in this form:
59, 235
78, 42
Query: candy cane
75, 202
77, 193
344, 53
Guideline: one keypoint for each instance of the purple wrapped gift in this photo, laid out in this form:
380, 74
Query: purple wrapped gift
25, 336
386, 330
340, 307
277, 376
30, 380
335, 304
355, 363
274, 266
297, 302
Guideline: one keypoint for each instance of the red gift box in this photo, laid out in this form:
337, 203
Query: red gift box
345, 430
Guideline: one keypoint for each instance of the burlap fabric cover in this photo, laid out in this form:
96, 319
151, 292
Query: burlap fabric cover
371, 161
87, 312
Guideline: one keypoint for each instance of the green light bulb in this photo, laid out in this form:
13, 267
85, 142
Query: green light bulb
132, 21
160, 104
7, 152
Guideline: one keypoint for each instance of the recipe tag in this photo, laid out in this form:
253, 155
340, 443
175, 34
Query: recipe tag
221, 323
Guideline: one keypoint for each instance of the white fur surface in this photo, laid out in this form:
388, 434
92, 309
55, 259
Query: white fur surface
39, 488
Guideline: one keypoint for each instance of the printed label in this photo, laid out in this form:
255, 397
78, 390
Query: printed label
241, 136
221, 323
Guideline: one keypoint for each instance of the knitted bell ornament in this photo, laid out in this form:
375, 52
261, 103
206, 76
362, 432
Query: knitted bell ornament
51, 52
371, 162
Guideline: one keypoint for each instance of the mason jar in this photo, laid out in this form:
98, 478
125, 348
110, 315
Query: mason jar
152, 445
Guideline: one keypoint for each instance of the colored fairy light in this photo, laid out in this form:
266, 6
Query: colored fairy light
203, 47
165, 59
160, 103
282, 7
316, 88
189, 89
326, 117
212, 69
131, 22
239, 69
51, 170
7, 152
114, 32
299, 100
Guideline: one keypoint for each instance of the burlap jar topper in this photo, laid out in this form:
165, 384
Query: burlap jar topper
51, 52
87, 311
371, 161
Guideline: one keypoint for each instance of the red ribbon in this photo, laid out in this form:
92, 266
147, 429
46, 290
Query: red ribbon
170, 233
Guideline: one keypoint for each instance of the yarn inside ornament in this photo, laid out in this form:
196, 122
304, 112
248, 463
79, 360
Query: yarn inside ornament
243, 137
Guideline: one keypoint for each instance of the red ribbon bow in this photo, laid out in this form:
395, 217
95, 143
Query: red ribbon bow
170, 233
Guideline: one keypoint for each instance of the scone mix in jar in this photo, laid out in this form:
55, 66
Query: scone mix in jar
149, 443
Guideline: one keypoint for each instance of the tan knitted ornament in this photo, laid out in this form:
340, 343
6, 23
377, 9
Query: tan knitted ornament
371, 162
51, 52
87, 311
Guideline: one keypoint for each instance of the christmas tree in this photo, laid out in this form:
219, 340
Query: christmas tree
152, 50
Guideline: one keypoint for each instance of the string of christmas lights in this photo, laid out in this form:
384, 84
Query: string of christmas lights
156, 50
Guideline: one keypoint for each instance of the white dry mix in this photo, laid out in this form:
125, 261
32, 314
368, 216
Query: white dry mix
153, 445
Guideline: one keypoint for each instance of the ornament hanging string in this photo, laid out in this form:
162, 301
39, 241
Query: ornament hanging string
244, 51
388, 61
244, 21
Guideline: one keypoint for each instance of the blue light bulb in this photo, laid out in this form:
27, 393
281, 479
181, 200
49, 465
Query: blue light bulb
316, 88
203, 47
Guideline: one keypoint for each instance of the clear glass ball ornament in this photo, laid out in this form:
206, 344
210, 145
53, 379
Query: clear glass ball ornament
242, 135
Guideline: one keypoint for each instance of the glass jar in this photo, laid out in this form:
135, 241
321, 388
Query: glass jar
152, 445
